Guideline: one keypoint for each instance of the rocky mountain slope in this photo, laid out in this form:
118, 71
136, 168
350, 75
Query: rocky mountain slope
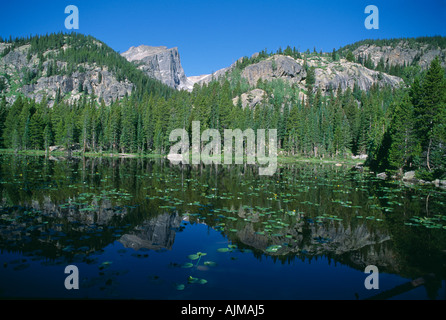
391, 63
328, 74
206, 78
160, 63
391, 52
67, 67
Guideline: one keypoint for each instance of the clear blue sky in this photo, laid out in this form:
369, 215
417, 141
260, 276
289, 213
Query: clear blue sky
212, 34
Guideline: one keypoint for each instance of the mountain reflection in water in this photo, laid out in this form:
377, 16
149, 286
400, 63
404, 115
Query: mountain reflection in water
67, 211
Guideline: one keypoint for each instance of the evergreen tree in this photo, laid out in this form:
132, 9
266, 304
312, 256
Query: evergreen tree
430, 103
86, 129
3, 115
47, 136
35, 131
11, 124
333, 55
404, 145
350, 57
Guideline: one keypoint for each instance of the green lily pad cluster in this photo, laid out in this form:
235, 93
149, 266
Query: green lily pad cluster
187, 265
438, 221
229, 248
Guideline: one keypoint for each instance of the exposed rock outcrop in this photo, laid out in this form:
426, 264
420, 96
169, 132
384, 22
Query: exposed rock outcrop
108, 89
160, 63
91, 79
329, 75
277, 67
409, 176
344, 74
251, 98
400, 54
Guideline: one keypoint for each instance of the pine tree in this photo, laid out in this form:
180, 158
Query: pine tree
47, 137
148, 123
404, 145
128, 127
350, 57
140, 135
292, 144
430, 106
69, 132
35, 131
310, 81
11, 124
3, 114
114, 126
86, 129
438, 150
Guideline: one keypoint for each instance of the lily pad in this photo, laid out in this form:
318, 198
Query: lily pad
210, 263
192, 279
196, 256
187, 265
180, 286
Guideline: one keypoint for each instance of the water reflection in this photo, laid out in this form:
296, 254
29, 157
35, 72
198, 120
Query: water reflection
67, 210
155, 234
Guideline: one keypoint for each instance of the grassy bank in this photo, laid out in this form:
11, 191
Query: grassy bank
281, 159
79, 154
291, 159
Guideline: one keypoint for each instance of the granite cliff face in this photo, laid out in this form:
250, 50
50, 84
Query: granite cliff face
160, 63
23, 71
400, 54
276, 67
328, 74
346, 74
250, 98
91, 79
108, 89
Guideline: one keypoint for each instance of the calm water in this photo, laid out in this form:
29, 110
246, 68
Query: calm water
146, 229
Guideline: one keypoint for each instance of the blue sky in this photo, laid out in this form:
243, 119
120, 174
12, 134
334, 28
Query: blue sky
213, 34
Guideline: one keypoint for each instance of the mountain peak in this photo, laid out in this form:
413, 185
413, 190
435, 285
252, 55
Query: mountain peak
142, 51
160, 63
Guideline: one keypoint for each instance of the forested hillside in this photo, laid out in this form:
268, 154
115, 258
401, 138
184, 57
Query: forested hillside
416, 135
400, 126
63, 66
403, 57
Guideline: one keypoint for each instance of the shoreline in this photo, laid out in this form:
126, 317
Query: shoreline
280, 158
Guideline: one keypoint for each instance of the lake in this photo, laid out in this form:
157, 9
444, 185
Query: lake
140, 228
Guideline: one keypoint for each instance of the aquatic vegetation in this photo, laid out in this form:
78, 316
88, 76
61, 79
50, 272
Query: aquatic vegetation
78, 215
438, 221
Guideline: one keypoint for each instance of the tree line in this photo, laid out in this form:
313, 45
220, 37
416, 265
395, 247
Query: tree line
400, 129
416, 135
74, 50
313, 125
